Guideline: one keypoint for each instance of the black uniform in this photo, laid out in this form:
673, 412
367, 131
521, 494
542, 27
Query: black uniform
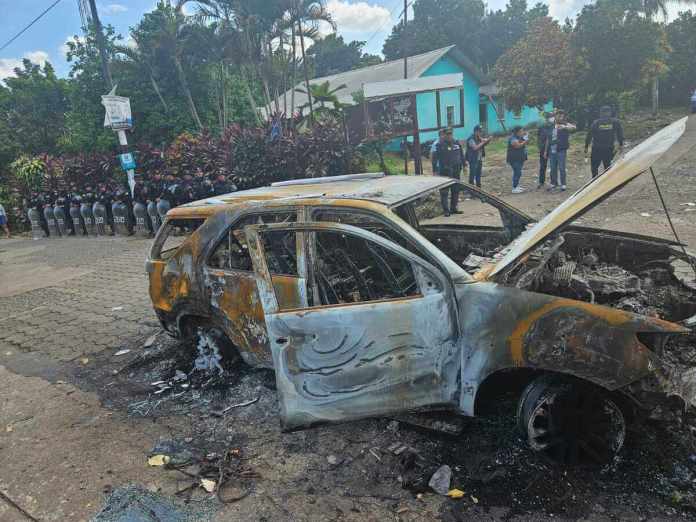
37, 202
602, 135
450, 160
543, 137
222, 187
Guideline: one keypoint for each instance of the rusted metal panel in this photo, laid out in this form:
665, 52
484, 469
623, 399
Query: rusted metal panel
510, 328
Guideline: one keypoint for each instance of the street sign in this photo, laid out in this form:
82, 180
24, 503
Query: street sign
127, 161
118, 111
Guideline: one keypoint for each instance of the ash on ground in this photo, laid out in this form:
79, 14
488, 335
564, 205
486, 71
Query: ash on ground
385, 463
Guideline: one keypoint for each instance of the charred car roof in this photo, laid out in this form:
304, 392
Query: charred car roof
389, 191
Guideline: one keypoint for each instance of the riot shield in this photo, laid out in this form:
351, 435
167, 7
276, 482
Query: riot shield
88, 218
163, 207
142, 220
154, 216
51, 221
78, 222
37, 231
61, 223
121, 218
99, 214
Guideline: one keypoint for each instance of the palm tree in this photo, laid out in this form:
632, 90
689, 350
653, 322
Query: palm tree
324, 95
652, 9
144, 61
170, 36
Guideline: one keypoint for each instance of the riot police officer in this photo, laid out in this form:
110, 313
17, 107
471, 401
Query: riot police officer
36, 215
153, 189
86, 210
76, 215
168, 196
451, 160
603, 133
103, 213
186, 192
140, 200
222, 186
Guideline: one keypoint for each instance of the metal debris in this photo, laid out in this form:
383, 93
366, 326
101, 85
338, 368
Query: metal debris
441, 479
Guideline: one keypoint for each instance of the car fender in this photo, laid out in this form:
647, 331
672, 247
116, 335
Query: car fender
507, 328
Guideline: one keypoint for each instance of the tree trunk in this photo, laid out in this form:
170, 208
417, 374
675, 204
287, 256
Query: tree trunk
187, 93
250, 97
655, 95
293, 83
159, 93
306, 72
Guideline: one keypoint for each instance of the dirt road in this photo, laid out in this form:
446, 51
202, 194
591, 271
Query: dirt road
79, 415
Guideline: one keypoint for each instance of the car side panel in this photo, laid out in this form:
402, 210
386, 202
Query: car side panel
506, 328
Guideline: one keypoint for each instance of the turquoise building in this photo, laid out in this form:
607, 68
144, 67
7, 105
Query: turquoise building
477, 101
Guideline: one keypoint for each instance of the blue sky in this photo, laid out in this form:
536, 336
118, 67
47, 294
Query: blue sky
370, 20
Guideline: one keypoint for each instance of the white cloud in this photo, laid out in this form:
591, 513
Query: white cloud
114, 9
8, 65
562, 9
357, 16
63, 48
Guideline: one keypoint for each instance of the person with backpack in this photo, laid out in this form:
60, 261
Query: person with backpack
516, 156
557, 146
475, 152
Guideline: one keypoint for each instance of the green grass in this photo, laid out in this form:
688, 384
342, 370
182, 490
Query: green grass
394, 163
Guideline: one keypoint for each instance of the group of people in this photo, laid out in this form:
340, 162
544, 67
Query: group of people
74, 210
449, 157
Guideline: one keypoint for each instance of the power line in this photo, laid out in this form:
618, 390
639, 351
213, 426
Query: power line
20, 33
391, 13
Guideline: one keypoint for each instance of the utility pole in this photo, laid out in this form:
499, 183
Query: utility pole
101, 43
404, 50
403, 40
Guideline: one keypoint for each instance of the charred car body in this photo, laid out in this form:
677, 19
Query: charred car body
352, 290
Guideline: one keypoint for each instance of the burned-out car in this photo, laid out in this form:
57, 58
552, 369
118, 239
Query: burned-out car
367, 301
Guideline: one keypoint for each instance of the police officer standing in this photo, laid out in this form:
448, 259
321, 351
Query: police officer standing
222, 186
450, 160
602, 135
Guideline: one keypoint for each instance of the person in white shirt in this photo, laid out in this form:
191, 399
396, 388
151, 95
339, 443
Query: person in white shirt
3, 221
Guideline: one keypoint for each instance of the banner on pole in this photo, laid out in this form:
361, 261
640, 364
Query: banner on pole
118, 112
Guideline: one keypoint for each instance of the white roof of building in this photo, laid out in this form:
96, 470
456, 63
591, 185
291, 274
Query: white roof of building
386, 71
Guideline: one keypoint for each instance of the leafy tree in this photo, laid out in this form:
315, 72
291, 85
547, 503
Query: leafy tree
331, 55
619, 46
33, 108
539, 68
681, 78
436, 24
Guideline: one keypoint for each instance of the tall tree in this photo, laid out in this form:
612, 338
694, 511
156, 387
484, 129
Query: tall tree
33, 108
170, 31
539, 68
681, 77
657, 68
438, 23
617, 43
332, 55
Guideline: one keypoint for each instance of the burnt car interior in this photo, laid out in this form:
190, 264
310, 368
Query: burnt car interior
343, 268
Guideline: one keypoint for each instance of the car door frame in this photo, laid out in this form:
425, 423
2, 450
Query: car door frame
247, 330
318, 414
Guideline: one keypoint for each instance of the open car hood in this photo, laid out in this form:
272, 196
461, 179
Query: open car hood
631, 165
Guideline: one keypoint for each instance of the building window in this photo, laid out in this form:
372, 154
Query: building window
450, 115
517, 114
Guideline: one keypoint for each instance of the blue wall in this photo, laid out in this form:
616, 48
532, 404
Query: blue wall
427, 108
528, 116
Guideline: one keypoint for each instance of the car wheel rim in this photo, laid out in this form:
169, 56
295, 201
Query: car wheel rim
577, 426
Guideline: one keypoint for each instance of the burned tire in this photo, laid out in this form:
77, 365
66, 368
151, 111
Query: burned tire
571, 421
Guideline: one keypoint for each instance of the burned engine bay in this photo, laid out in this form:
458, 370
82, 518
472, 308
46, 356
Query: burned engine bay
638, 274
